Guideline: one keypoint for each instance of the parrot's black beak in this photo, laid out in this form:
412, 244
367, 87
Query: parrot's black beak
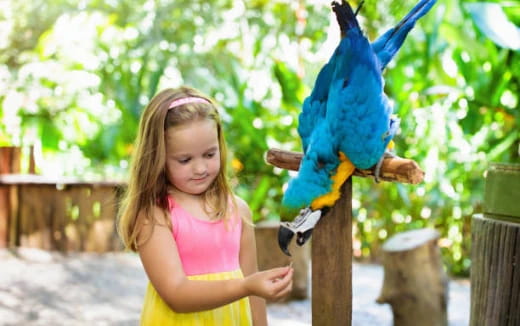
285, 236
302, 226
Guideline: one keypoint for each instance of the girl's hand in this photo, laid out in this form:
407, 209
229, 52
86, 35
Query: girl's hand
272, 284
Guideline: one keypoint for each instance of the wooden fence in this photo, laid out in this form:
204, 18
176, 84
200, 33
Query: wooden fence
64, 215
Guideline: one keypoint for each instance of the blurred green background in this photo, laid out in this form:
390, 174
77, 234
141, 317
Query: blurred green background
75, 75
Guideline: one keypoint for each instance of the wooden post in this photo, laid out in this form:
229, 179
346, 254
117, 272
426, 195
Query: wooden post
332, 263
5, 209
10, 159
495, 251
332, 239
9, 163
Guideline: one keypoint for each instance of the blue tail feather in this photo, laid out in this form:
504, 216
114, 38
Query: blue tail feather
387, 45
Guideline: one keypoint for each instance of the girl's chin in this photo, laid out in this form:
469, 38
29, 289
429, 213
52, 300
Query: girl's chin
194, 191
198, 189
195, 187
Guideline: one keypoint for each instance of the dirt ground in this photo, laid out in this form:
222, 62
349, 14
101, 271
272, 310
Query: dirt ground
43, 288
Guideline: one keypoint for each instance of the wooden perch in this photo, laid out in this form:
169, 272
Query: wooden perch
395, 169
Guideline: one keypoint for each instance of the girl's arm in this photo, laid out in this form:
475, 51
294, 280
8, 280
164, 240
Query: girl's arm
162, 264
248, 262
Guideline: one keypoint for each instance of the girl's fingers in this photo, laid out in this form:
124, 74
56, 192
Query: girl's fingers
281, 284
284, 291
277, 274
284, 275
281, 271
277, 282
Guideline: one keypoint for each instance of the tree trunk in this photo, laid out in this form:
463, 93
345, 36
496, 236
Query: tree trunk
415, 284
495, 252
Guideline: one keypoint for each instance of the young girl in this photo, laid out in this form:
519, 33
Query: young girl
194, 237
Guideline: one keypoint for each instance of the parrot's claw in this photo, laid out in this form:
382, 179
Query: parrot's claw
302, 226
377, 170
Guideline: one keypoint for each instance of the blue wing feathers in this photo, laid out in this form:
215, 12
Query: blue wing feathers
314, 106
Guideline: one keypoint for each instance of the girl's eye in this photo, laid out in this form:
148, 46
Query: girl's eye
210, 155
184, 161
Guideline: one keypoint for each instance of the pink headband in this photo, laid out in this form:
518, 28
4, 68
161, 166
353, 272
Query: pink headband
186, 100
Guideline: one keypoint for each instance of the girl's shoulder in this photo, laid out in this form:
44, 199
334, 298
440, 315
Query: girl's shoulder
147, 222
243, 209
156, 215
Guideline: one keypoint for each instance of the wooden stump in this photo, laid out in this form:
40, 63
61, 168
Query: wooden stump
495, 252
495, 272
415, 284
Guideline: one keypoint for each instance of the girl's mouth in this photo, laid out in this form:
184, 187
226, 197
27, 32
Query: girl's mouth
200, 178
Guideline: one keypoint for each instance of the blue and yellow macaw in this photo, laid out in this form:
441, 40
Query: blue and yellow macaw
347, 121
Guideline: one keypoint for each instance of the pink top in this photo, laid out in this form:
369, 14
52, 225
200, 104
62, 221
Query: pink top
205, 247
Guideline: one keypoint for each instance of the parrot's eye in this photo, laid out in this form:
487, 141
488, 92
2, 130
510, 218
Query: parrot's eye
320, 164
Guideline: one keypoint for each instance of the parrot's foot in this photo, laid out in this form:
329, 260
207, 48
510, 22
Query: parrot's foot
302, 226
377, 170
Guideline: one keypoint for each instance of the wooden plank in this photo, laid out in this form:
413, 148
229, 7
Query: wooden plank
58, 182
84, 220
59, 218
10, 159
14, 216
4, 216
32, 160
332, 264
395, 169
36, 208
9, 163
102, 230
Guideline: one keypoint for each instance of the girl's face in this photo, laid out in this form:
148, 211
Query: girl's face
192, 156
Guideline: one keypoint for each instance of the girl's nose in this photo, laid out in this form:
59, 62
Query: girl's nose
200, 167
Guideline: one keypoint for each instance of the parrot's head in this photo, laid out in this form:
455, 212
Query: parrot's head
314, 177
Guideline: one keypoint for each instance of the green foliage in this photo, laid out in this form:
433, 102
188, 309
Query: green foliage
76, 75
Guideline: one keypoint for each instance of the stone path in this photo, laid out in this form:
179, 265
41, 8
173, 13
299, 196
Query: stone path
42, 288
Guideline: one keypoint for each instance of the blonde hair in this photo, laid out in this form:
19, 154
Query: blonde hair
148, 184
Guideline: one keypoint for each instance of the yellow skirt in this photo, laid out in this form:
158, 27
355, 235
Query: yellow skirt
157, 313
